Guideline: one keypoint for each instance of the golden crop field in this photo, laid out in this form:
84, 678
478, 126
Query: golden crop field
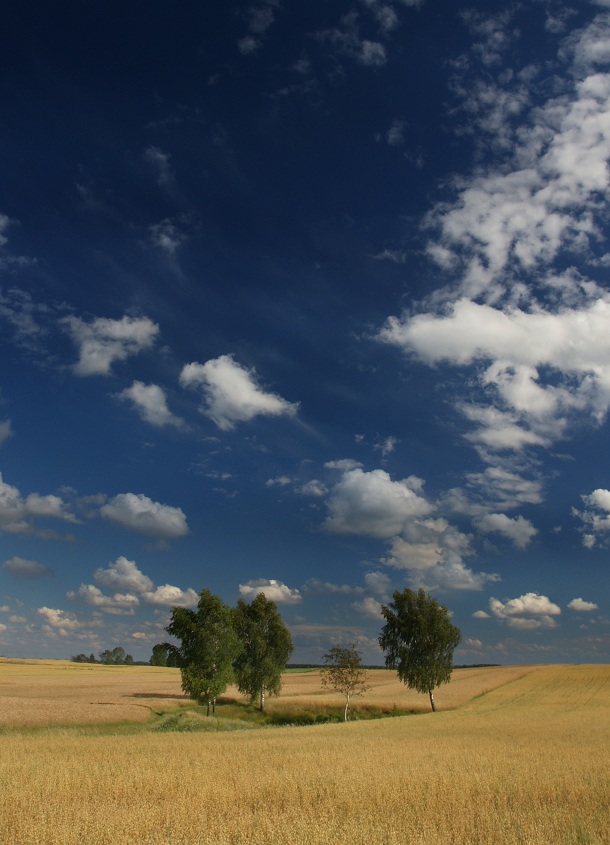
522, 758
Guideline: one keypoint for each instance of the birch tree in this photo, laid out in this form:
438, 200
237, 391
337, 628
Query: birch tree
266, 646
343, 672
419, 640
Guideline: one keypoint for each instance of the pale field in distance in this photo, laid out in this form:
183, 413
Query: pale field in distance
526, 762
59, 692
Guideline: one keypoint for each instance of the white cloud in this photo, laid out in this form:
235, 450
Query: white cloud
527, 612
368, 607
538, 334
387, 445
139, 513
59, 619
151, 403
17, 514
119, 603
377, 583
104, 341
23, 568
481, 614
274, 591
595, 517
371, 504
582, 606
314, 488
231, 392
279, 481
519, 530
124, 575
170, 596
344, 464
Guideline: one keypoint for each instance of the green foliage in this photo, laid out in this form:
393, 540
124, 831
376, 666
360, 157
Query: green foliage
209, 645
343, 672
266, 648
116, 657
419, 640
160, 654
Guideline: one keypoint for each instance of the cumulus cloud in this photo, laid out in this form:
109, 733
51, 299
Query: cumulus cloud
377, 583
137, 512
150, 402
519, 530
274, 590
370, 503
17, 514
104, 341
124, 575
119, 603
527, 612
170, 596
22, 568
232, 393
369, 606
595, 517
582, 606
59, 620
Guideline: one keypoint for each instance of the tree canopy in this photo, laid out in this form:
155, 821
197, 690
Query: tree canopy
343, 672
208, 647
419, 640
266, 647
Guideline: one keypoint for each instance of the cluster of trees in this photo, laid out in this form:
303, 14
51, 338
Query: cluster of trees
248, 645
110, 657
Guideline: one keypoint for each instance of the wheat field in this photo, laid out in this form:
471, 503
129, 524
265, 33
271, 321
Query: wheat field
516, 755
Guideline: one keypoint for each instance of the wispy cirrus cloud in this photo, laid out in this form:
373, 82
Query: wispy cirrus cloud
529, 334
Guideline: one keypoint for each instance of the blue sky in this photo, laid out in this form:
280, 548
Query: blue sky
308, 298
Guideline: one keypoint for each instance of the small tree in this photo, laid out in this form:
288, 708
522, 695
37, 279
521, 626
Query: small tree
209, 645
266, 647
419, 640
343, 672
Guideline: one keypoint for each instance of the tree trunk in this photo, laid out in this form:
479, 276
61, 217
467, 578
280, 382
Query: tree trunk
346, 706
214, 705
262, 699
208, 713
431, 694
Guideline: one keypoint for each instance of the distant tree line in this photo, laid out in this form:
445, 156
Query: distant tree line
110, 657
